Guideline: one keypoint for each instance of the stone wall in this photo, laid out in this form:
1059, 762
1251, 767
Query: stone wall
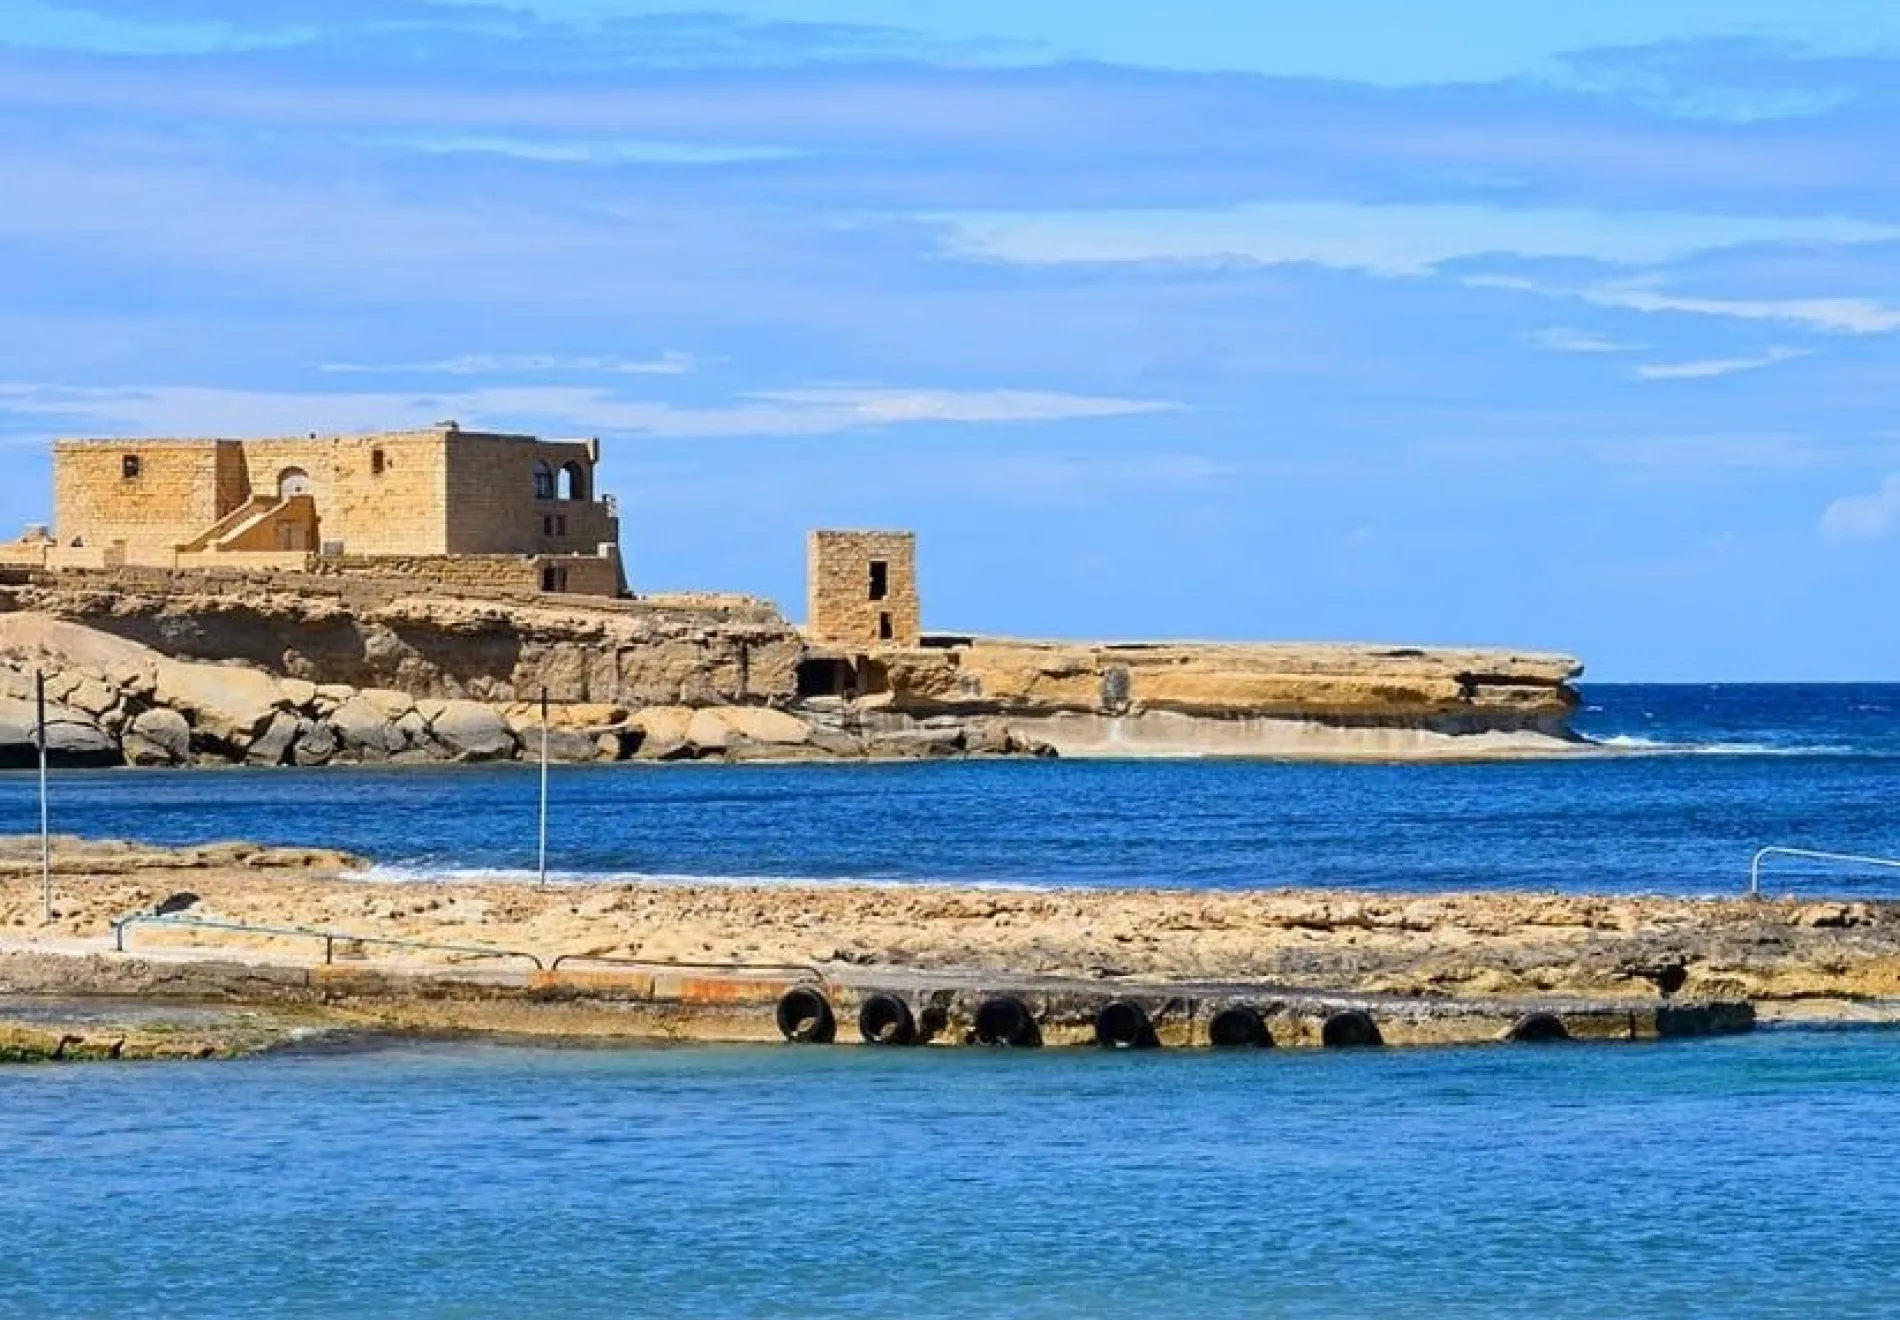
150, 495
411, 494
863, 589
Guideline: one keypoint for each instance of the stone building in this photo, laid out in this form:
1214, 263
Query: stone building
863, 590
440, 502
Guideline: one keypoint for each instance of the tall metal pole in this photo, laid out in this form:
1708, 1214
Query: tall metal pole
46, 834
544, 786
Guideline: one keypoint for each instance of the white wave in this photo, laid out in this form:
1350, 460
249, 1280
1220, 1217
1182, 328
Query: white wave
417, 874
1635, 745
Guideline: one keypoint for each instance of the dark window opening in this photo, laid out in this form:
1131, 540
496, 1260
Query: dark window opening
560, 524
543, 482
553, 579
880, 579
130, 466
573, 482
547, 524
884, 633
827, 678
378, 462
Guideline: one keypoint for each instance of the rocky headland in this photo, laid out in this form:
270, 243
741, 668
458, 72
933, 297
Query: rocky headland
149, 668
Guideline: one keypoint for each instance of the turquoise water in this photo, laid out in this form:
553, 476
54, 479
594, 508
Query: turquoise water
1740, 1177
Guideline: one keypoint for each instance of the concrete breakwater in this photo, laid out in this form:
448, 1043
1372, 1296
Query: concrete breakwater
107, 1004
157, 668
680, 961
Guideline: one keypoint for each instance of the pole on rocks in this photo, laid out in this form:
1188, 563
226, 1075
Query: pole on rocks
46, 835
544, 786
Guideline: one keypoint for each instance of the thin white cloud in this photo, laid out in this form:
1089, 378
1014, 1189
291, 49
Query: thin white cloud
187, 410
1712, 368
522, 364
1870, 517
1564, 339
1848, 316
1386, 240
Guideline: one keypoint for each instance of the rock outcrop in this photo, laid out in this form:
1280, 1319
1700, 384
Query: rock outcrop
154, 668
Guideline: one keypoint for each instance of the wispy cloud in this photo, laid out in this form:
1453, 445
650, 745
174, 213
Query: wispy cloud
1389, 239
1853, 316
188, 410
1710, 368
670, 363
1563, 339
1869, 517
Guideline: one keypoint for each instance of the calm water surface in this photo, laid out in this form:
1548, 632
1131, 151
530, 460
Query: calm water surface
1724, 770
1740, 1177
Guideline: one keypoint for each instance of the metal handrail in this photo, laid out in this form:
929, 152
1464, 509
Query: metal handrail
1810, 854
803, 969
329, 937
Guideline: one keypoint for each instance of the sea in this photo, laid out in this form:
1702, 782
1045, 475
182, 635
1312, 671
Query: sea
1732, 1177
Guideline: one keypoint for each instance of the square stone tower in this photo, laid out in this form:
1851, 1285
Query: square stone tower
862, 589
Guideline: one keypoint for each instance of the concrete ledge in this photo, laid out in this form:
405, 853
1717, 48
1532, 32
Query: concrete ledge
662, 1004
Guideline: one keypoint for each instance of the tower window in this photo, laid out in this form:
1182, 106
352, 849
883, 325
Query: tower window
880, 579
884, 627
131, 466
378, 462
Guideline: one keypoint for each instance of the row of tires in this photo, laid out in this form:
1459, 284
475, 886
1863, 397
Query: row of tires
805, 1016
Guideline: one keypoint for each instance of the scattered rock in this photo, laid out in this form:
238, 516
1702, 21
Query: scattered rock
471, 731
272, 746
227, 704
158, 737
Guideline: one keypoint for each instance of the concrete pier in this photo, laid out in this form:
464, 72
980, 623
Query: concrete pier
859, 1006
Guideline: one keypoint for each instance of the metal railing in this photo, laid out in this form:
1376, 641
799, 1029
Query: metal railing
329, 937
1813, 855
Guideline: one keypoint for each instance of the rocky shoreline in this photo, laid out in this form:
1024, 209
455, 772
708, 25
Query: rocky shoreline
1417, 945
148, 668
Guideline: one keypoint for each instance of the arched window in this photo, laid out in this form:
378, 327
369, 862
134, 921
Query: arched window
543, 481
292, 481
573, 482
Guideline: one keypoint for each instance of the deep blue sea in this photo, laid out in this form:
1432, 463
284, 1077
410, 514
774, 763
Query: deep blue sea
1692, 781
1745, 1177
1731, 1178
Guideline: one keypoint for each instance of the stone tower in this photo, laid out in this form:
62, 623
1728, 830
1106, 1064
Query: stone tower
863, 589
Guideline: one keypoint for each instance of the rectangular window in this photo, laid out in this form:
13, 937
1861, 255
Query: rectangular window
560, 524
378, 462
880, 579
884, 627
130, 466
553, 579
547, 524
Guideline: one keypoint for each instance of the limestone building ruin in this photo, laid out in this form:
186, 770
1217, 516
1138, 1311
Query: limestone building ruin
863, 590
499, 509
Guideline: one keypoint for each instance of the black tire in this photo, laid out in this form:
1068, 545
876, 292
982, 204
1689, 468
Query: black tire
1538, 1029
1350, 1030
1238, 1027
1005, 1021
886, 1020
804, 1017
1122, 1024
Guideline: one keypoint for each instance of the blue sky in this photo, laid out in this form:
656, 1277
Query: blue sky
1466, 323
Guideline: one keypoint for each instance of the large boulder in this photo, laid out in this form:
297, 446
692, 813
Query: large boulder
158, 737
272, 746
708, 732
224, 703
71, 736
760, 724
470, 731
364, 730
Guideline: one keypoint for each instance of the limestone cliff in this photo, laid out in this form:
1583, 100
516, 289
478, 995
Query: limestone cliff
152, 667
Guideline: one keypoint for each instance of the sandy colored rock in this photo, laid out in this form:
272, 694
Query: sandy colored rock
761, 725
226, 702
158, 737
1464, 944
472, 731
